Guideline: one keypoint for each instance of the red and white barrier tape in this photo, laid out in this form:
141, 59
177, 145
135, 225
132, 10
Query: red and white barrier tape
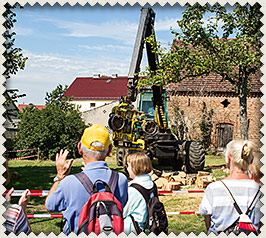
181, 191
181, 213
41, 193
29, 156
61, 215
44, 215
18, 193
12, 151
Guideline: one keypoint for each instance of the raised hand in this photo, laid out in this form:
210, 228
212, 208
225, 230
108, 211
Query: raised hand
24, 199
62, 167
9, 195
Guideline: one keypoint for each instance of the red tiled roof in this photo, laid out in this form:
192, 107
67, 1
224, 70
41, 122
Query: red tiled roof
211, 85
103, 88
21, 106
108, 88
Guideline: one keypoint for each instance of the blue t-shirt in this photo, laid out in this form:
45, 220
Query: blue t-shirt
70, 194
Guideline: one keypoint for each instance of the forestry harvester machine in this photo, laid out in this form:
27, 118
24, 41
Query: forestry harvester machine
146, 128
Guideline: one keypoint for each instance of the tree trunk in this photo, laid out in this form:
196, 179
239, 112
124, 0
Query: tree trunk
243, 107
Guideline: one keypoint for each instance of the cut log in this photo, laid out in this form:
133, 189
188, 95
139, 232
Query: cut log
182, 174
174, 186
204, 181
176, 178
167, 175
157, 172
161, 183
202, 173
154, 177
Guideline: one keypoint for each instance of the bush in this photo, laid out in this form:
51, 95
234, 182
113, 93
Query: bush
57, 126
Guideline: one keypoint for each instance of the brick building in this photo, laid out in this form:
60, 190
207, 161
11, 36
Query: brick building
190, 95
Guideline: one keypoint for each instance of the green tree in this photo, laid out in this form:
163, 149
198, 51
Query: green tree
57, 126
14, 59
231, 51
13, 55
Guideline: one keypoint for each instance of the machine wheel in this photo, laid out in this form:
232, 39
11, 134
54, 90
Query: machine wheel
195, 156
120, 153
177, 165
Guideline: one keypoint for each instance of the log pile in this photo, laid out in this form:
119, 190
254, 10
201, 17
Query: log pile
174, 180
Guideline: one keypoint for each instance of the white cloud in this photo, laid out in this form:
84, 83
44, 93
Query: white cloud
106, 47
23, 31
123, 31
43, 72
166, 24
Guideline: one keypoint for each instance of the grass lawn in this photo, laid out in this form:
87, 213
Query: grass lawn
38, 175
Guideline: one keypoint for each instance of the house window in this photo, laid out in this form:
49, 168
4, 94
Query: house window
92, 104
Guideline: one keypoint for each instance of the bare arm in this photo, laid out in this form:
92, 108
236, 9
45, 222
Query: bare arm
62, 168
23, 202
207, 221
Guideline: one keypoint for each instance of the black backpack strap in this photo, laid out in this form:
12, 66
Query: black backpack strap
85, 181
232, 198
253, 202
113, 181
136, 225
145, 192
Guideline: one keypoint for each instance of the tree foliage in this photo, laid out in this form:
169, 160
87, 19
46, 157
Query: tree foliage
13, 55
57, 126
14, 59
213, 41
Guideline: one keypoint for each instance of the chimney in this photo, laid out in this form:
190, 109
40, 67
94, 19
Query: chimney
96, 76
114, 76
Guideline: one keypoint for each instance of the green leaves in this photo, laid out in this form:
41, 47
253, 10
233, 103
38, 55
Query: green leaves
200, 50
14, 57
212, 41
57, 126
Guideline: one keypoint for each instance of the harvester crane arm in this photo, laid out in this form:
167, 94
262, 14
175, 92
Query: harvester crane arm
145, 29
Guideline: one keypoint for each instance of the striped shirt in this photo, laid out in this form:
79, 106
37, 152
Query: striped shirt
16, 221
218, 204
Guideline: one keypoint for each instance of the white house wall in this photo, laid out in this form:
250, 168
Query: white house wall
100, 115
86, 104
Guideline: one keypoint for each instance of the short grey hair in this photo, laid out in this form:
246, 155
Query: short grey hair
99, 155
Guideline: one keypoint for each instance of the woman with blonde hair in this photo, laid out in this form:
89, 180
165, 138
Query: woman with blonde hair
221, 214
138, 167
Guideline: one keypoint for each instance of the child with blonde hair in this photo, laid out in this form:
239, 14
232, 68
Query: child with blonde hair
138, 166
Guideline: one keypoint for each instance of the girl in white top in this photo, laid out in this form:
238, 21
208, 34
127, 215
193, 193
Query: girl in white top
138, 166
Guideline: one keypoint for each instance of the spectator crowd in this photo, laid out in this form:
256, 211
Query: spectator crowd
99, 199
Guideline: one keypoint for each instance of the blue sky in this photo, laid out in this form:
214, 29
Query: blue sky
63, 43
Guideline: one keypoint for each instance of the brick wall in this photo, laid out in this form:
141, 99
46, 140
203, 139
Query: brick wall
192, 106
